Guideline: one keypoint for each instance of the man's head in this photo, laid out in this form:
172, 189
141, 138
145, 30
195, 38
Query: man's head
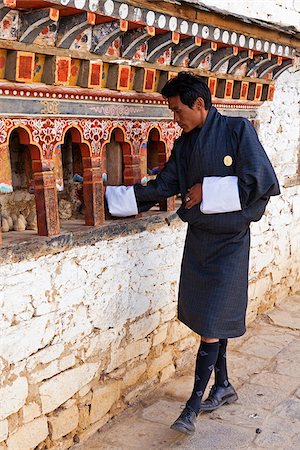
189, 98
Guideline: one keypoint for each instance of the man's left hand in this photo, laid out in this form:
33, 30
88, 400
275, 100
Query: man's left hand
193, 196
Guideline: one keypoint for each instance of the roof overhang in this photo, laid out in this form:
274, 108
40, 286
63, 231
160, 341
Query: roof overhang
138, 45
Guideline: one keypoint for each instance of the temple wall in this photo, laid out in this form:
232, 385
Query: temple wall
86, 330
283, 12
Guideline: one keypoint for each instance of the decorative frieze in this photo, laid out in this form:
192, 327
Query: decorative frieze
128, 38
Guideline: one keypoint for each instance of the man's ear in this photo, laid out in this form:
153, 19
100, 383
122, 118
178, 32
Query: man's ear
200, 103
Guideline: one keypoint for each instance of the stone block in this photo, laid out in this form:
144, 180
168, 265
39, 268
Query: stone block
84, 417
66, 362
143, 327
21, 341
168, 312
167, 373
3, 429
29, 435
74, 326
63, 422
13, 397
103, 399
160, 335
133, 375
60, 388
159, 363
131, 351
177, 332
31, 411
45, 373
44, 356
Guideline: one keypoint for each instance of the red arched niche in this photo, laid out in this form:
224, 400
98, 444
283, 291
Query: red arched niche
32, 174
82, 177
120, 166
156, 160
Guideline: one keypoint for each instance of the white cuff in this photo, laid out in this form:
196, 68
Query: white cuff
121, 201
220, 195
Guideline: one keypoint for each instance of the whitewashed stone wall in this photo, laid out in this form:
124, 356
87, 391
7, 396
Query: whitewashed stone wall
282, 12
83, 327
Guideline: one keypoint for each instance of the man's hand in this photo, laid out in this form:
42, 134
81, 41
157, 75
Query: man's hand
193, 196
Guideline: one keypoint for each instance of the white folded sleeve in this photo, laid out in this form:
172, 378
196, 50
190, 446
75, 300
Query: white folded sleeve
220, 195
121, 201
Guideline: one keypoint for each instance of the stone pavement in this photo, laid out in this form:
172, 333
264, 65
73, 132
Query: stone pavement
265, 368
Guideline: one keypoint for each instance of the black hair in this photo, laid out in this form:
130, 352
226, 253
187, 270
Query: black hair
189, 87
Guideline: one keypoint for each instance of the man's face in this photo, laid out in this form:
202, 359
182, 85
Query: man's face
186, 117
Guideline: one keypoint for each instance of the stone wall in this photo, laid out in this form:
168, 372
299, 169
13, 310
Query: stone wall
84, 331
282, 12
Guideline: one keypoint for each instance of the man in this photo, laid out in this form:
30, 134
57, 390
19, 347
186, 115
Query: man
225, 179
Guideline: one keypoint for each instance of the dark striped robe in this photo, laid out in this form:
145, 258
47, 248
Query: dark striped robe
214, 273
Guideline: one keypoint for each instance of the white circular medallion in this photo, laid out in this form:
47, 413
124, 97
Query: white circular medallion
273, 48
195, 29
79, 4
123, 11
93, 5
266, 46
233, 38
251, 43
205, 32
172, 23
287, 51
150, 18
184, 26
280, 50
217, 33
258, 45
225, 37
162, 21
109, 7
64, 2
242, 40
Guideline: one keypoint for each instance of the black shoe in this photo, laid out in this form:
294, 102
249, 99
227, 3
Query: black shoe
218, 396
186, 421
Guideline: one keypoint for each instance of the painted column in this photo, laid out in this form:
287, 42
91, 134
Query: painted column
46, 203
93, 194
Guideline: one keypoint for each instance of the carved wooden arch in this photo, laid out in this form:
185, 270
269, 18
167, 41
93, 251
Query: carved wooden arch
26, 138
120, 136
77, 138
162, 145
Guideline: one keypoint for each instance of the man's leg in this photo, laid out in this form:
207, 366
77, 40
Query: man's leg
222, 391
205, 363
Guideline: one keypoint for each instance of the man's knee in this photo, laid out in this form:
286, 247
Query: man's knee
209, 340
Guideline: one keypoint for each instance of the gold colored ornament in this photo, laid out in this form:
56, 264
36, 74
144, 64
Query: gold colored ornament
228, 160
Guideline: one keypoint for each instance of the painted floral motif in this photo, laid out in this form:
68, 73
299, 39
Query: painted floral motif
141, 52
223, 68
47, 36
241, 70
3, 131
82, 41
96, 131
205, 63
9, 25
165, 58
114, 49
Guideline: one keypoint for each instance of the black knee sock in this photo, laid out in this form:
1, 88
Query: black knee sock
221, 375
205, 363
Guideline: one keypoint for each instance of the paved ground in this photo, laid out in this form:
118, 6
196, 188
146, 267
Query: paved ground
265, 369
